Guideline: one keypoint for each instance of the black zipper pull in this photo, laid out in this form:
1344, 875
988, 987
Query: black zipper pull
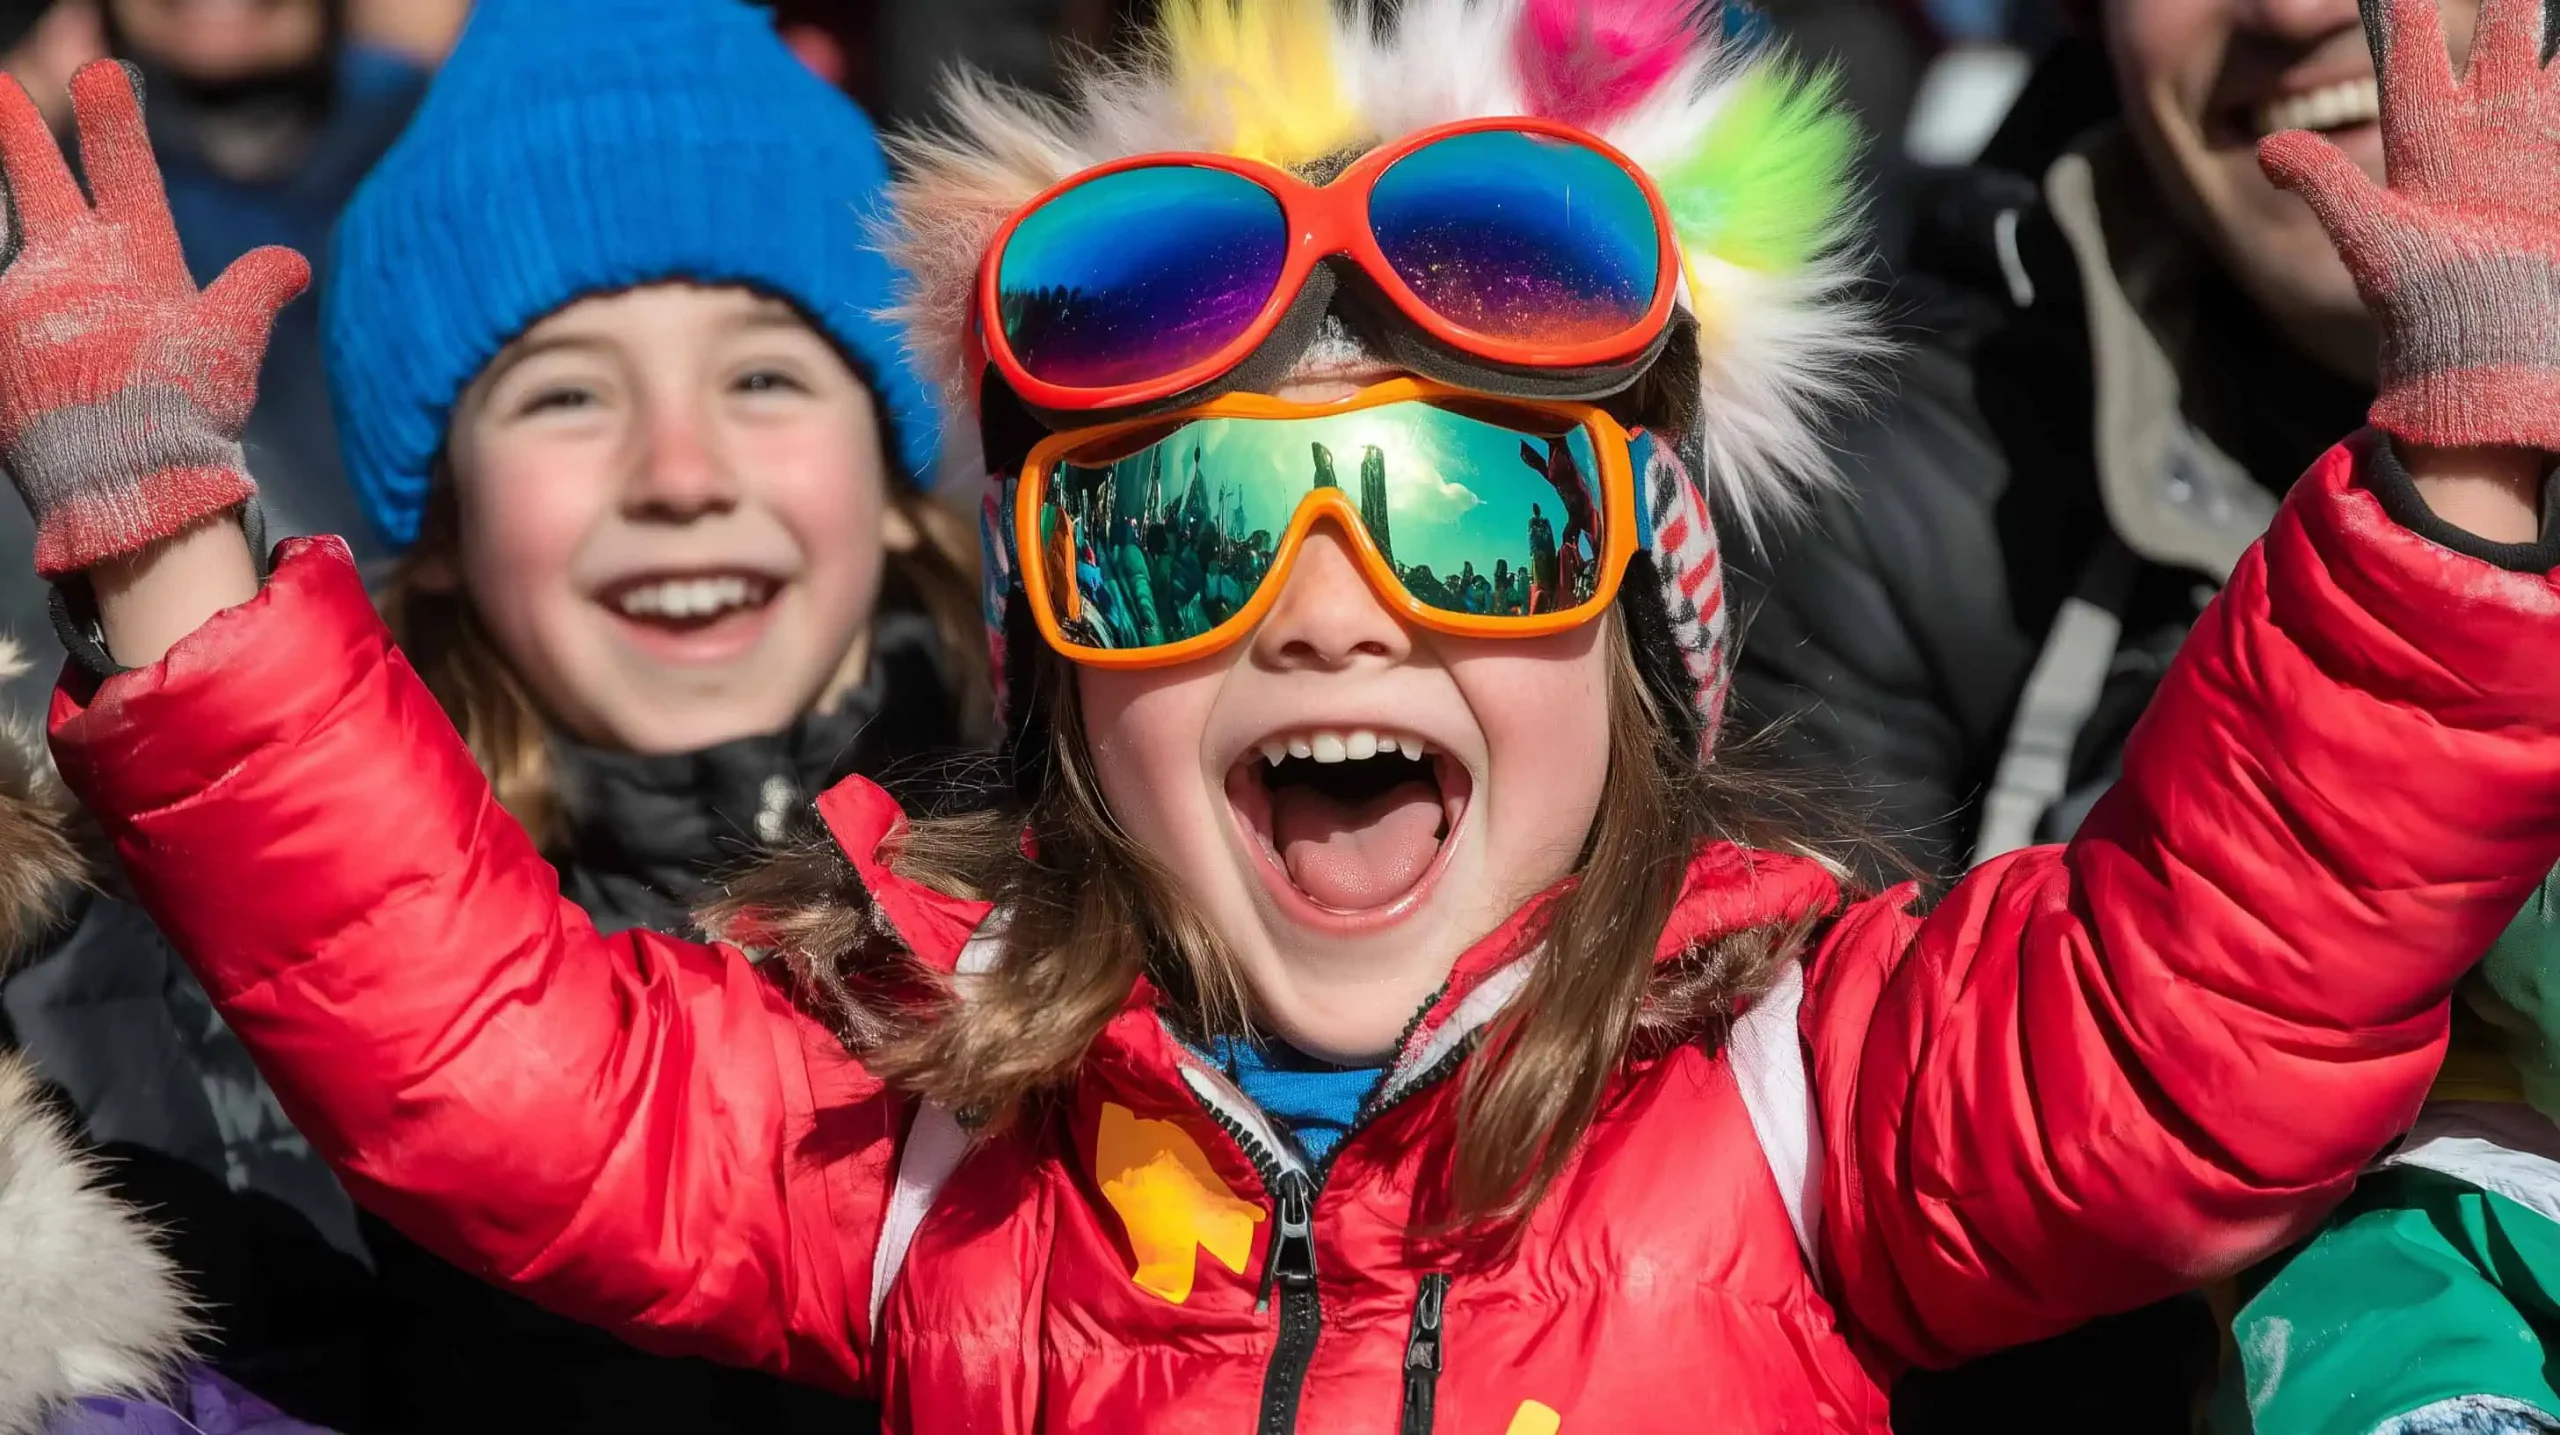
1293, 1241
1423, 1356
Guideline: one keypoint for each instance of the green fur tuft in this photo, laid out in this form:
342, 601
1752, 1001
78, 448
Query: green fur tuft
1768, 184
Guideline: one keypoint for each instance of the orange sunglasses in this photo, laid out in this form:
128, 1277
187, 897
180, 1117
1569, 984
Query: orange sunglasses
1521, 241
1463, 507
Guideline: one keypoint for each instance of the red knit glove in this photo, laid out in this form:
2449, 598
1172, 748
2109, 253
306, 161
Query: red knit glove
2459, 259
123, 389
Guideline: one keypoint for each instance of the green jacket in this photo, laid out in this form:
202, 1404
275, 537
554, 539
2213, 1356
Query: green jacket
2429, 1304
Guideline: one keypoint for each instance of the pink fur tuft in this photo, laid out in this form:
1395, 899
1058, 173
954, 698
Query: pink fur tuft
1585, 62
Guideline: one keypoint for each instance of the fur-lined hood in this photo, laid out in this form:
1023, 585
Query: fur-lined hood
88, 1303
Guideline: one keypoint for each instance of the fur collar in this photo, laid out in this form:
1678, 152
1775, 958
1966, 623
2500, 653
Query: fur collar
88, 1303
93, 1307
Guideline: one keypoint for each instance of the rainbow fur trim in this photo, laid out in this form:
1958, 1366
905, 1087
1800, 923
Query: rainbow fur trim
1749, 150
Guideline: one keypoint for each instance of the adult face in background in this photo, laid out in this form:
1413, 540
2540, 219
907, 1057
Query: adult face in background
2203, 81
224, 42
251, 78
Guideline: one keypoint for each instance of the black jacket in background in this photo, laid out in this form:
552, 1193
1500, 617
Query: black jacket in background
1893, 637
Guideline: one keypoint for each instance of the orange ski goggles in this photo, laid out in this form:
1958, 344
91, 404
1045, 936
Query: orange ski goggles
1154, 541
1520, 241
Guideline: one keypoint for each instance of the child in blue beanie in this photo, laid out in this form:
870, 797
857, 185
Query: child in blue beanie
602, 335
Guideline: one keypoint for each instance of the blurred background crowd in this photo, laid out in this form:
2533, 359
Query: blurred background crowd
2103, 297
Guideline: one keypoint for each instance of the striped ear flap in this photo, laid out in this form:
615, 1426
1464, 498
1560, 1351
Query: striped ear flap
1680, 632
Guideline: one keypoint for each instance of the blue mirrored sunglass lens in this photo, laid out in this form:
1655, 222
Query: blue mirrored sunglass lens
1138, 274
1520, 237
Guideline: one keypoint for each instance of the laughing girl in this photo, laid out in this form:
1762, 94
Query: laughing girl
1368, 1012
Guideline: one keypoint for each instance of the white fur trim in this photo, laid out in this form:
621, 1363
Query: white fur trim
1444, 60
935, 1145
1767, 1056
91, 1305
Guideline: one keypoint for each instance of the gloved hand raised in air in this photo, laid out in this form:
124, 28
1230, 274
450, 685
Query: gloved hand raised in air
123, 388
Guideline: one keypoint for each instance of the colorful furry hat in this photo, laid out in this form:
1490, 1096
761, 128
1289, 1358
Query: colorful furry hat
1750, 154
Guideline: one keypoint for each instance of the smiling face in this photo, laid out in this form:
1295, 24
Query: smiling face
673, 511
1351, 800
2203, 82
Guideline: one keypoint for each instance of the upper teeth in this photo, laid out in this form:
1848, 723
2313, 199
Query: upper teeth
2349, 102
688, 597
1355, 745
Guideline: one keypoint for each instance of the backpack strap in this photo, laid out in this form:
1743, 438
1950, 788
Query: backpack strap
935, 1143
1766, 1053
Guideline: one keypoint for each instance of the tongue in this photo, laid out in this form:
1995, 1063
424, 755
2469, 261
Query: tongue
1352, 856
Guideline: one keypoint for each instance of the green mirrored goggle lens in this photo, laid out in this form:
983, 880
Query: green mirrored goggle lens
1169, 533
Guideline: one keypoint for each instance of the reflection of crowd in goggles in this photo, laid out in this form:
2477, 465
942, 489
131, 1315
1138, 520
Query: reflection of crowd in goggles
1189, 565
1471, 516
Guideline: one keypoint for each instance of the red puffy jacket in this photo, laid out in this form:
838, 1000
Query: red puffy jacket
2091, 1077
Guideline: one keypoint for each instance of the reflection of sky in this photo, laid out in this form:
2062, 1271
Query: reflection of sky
1131, 228
1458, 489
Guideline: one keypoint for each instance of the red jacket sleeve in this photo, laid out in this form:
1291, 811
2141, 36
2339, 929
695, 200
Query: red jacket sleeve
641, 1133
2100, 1074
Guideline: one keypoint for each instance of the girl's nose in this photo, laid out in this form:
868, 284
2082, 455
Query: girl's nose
1328, 617
681, 474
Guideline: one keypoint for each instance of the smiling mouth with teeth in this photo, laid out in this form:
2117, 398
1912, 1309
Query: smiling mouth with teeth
2331, 107
1352, 825
688, 601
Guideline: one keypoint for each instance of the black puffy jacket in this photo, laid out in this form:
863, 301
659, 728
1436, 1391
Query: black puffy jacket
2087, 427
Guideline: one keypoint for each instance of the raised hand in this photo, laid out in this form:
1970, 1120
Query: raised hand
123, 389
2459, 258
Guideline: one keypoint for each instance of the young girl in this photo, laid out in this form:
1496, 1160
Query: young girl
604, 338
1364, 1019
602, 330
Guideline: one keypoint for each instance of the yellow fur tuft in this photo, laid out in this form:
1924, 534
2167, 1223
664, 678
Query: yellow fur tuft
1259, 77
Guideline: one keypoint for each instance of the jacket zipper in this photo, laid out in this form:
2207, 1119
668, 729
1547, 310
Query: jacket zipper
1293, 1269
1289, 1270
1423, 1355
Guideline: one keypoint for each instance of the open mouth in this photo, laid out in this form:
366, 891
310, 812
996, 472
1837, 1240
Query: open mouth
2344, 105
1353, 825
688, 602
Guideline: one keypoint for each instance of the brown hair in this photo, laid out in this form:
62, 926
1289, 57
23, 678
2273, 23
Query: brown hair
439, 631
1090, 913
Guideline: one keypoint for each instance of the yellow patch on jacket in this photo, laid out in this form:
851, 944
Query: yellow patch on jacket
1533, 1418
1170, 1201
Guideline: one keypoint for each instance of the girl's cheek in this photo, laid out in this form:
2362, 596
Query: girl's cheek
1145, 728
526, 510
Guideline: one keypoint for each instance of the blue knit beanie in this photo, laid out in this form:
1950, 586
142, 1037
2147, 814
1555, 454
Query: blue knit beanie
575, 147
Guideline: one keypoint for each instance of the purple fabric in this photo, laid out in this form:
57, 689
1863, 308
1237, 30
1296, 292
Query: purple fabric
206, 1404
